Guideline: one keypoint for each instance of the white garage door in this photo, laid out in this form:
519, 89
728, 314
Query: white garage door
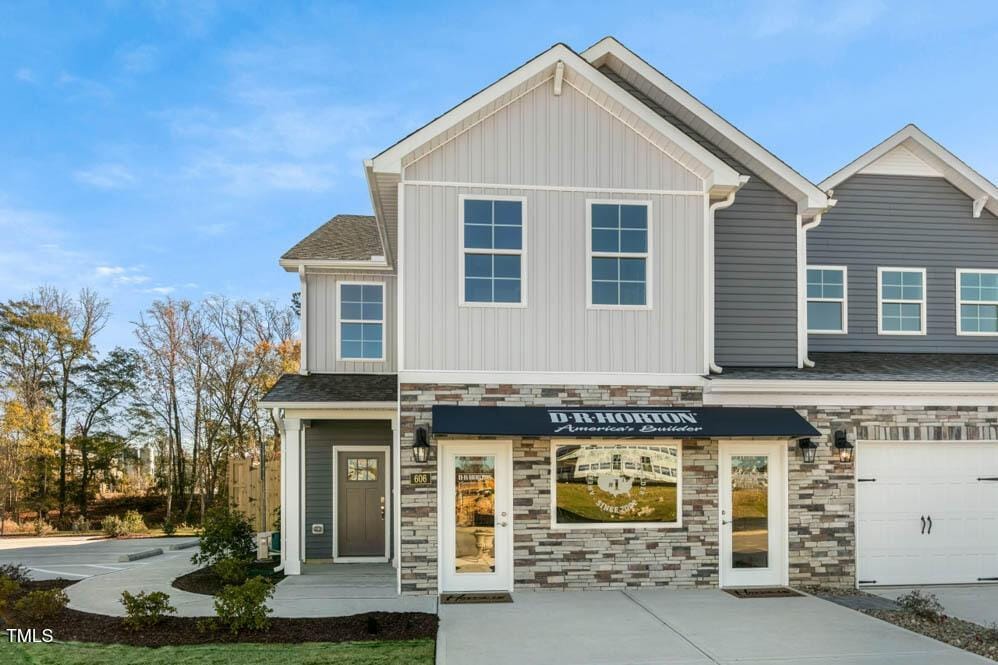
927, 513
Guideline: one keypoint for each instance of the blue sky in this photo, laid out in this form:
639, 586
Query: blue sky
154, 148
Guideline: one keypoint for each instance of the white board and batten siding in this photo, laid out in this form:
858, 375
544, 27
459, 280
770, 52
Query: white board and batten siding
322, 336
566, 150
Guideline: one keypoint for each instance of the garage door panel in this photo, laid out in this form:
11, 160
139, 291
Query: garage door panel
937, 481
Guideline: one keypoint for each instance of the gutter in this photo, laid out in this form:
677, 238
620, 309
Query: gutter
276, 416
726, 202
802, 285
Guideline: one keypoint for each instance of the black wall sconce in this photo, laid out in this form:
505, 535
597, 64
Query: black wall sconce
808, 449
844, 444
421, 446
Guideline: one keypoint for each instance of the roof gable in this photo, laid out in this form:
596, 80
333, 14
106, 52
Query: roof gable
557, 62
895, 155
609, 52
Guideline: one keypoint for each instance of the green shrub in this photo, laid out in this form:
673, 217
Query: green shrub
226, 535
41, 605
146, 609
16, 572
244, 607
132, 522
924, 605
8, 589
232, 571
169, 527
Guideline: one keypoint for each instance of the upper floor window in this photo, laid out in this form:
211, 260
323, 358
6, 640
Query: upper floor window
361, 321
826, 299
977, 306
619, 254
492, 251
901, 301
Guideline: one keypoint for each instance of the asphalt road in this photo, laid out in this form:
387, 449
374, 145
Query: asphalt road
78, 557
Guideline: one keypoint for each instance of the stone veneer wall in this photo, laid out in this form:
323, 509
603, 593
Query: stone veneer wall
576, 559
821, 496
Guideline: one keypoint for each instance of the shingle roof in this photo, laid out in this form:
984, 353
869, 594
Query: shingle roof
879, 367
344, 238
334, 388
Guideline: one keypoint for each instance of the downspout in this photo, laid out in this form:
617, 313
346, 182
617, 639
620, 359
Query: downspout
726, 202
802, 300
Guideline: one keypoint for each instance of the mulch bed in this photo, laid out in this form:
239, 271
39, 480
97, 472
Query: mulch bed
73, 626
205, 581
956, 632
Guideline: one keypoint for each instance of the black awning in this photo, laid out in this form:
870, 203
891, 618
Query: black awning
628, 421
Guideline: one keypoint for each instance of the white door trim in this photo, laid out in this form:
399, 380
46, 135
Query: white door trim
503, 449
779, 542
336, 497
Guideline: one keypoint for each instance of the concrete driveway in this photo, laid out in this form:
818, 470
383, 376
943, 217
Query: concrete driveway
659, 627
971, 602
78, 557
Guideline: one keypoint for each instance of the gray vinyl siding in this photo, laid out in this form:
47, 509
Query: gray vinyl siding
323, 333
755, 258
320, 440
905, 222
559, 143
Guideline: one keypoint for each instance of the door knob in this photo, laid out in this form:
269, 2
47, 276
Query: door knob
502, 523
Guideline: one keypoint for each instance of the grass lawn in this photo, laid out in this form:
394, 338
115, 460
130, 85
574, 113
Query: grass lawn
414, 652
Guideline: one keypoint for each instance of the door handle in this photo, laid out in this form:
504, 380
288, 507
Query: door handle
382, 508
503, 523
923, 524
930, 525
723, 522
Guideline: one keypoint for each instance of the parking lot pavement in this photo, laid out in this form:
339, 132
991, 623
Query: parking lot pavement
75, 557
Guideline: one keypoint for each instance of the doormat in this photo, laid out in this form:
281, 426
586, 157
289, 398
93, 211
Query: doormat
764, 592
475, 597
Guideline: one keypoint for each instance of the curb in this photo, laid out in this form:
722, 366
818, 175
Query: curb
144, 554
184, 546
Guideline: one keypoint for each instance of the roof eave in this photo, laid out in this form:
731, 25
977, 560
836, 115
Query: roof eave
293, 265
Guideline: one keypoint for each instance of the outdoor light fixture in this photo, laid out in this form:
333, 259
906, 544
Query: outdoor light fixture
845, 446
421, 446
808, 448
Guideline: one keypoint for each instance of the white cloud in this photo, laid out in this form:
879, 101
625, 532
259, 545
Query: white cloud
162, 290
79, 87
120, 275
25, 75
106, 176
139, 59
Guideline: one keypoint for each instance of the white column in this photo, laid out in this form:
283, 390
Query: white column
397, 499
291, 464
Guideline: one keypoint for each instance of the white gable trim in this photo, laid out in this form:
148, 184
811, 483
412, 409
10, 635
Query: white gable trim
900, 161
715, 173
810, 199
927, 150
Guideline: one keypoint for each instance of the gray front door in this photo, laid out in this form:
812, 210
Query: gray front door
360, 499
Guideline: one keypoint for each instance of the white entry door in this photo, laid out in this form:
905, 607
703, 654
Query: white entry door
753, 513
926, 513
476, 516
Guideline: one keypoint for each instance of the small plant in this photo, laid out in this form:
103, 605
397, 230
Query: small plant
8, 589
226, 535
16, 572
244, 607
924, 605
169, 527
41, 605
42, 527
112, 526
146, 609
79, 524
133, 522
232, 571
991, 632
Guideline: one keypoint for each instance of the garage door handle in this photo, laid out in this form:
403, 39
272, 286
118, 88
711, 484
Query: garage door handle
930, 525
987, 478
923, 523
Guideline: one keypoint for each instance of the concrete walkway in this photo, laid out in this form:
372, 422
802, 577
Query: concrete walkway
301, 596
971, 602
659, 627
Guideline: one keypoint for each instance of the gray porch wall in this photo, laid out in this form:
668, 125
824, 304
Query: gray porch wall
320, 499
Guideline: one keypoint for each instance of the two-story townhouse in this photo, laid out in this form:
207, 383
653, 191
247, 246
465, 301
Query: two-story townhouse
538, 364
902, 311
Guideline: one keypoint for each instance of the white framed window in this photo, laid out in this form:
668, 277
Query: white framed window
827, 300
360, 321
606, 484
977, 302
901, 301
493, 260
618, 265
